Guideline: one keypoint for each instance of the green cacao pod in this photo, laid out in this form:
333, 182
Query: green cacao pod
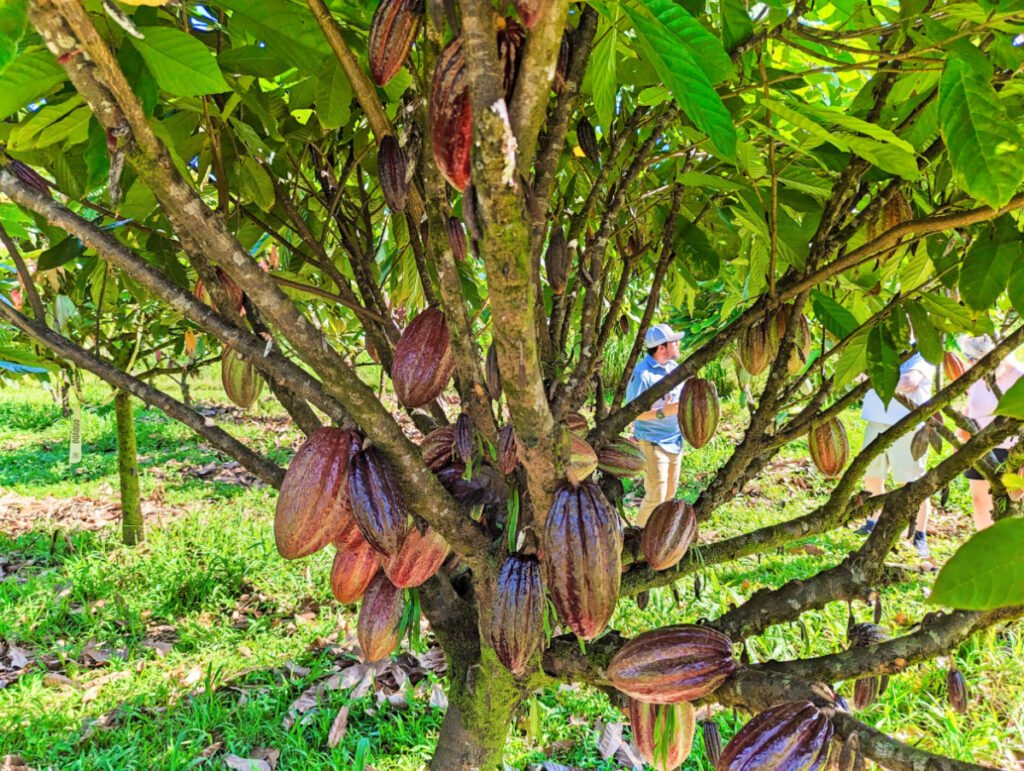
423, 362
422, 553
242, 383
451, 120
393, 29
712, 736
587, 138
515, 624
953, 366
663, 732
355, 565
829, 447
956, 690
676, 663
622, 458
794, 736
754, 350
669, 532
437, 448
378, 505
698, 411
380, 618
391, 169
313, 505
508, 455
582, 557
582, 459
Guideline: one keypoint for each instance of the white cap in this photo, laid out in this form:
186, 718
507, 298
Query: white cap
660, 334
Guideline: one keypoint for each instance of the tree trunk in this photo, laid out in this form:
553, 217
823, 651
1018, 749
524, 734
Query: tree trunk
132, 529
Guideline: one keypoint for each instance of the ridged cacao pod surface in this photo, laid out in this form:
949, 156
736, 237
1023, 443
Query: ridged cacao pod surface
865, 691
850, 758
669, 532
754, 350
511, 37
582, 558
437, 448
451, 120
508, 455
801, 350
794, 736
663, 732
829, 447
29, 176
242, 383
457, 238
354, 567
492, 374
391, 170
863, 635
313, 504
393, 29
515, 624
464, 437
422, 553
486, 487
582, 458
712, 736
698, 411
956, 690
676, 663
621, 457
378, 504
587, 138
531, 11
556, 260
380, 618
953, 365
576, 423
423, 362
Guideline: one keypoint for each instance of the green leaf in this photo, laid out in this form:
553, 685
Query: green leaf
929, 341
333, 94
833, 316
181, 64
60, 254
887, 157
852, 361
26, 79
986, 572
1015, 288
13, 15
1012, 403
705, 48
985, 147
736, 24
883, 364
255, 184
949, 40
987, 264
603, 83
957, 317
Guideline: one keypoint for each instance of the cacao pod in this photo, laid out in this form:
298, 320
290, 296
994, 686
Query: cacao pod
393, 29
754, 350
380, 618
642, 599
507, 451
576, 423
492, 374
865, 691
712, 740
956, 690
464, 437
621, 457
451, 120
863, 635
313, 505
698, 411
469, 213
531, 11
562, 64
775, 326
663, 732
793, 735
624, 324
378, 505
423, 362
29, 176
587, 138
242, 383
485, 488
850, 758
511, 37
457, 238
556, 260
582, 558
516, 621
437, 448
801, 350
935, 439
920, 441
391, 170
354, 567
676, 663
829, 447
669, 531
953, 366
582, 459
896, 211
421, 555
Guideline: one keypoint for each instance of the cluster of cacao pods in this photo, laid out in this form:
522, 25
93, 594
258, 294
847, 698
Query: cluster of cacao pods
867, 689
759, 344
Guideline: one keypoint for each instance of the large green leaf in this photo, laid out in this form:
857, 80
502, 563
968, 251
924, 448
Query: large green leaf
603, 83
706, 49
986, 572
986, 149
888, 157
27, 78
833, 316
883, 364
1015, 288
852, 361
181, 64
13, 15
333, 94
736, 24
987, 264
60, 254
1012, 402
929, 341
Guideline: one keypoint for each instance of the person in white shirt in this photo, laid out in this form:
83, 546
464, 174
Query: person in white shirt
916, 377
981, 401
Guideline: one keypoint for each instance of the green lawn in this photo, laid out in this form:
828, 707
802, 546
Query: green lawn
195, 646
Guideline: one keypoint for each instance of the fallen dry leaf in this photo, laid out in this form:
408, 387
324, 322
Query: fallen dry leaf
57, 680
193, 676
268, 755
308, 699
611, 739
212, 750
15, 763
438, 698
338, 727
246, 764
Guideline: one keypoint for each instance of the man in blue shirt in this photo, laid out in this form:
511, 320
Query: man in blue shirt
657, 430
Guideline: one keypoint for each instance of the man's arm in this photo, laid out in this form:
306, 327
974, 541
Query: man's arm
640, 384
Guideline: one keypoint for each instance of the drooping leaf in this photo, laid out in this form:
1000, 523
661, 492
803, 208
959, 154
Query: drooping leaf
929, 342
27, 78
1012, 402
181, 64
333, 94
852, 361
60, 254
833, 316
736, 24
986, 572
705, 48
883, 364
987, 264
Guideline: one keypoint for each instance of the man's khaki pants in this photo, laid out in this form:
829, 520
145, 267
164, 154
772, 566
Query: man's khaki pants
661, 478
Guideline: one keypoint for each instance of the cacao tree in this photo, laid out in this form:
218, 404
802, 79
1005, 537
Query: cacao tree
490, 202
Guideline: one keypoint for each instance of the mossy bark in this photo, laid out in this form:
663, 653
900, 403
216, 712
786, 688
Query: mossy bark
132, 528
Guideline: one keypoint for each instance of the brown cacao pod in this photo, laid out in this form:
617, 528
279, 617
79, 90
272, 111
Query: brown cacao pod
642, 599
511, 37
698, 411
531, 11
457, 238
582, 557
793, 735
956, 690
865, 691
953, 366
393, 29
380, 618
421, 555
829, 447
492, 374
896, 211
582, 459
423, 362
391, 170
242, 383
576, 423
669, 532
464, 437
562, 64
354, 567
486, 487
920, 441
754, 350
515, 624
556, 260
712, 736
621, 457
775, 326
850, 758
507, 450
437, 447
313, 505
863, 635
378, 505
663, 732
624, 324
587, 138
451, 120
676, 663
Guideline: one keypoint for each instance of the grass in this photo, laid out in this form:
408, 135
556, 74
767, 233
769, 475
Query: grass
198, 642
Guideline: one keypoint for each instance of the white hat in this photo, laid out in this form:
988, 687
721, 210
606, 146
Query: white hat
660, 334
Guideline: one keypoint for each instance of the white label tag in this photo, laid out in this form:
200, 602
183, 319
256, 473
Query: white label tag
75, 452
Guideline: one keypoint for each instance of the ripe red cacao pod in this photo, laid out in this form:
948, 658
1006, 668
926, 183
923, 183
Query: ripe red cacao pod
492, 374
576, 423
793, 735
829, 446
663, 732
437, 447
464, 437
712, 736
354, 567
556, 260
953, 366
313, 504
587, 138
393, 29
242, 383
676, 663
378, 505
423, 362
621, 457
582, 459
391, 170
450, 116
754, 349
669, 532
380, 618
507, 451
698, 411
457, 238
531, 11
582, 557
422, 553
956, 690
515, 624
